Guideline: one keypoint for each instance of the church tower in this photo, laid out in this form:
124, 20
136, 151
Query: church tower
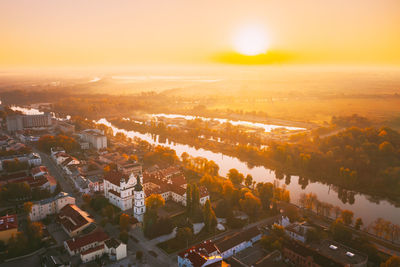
139, 207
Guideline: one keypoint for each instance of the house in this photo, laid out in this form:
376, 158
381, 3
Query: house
229, 245
115, 249
95, 137
8, 227
298, 231
39, 171
55, 150
83, 243
34, 159
74, 220
81, 184
65, 127
130, 167
170, 187
118, 189
203, 254
41, 209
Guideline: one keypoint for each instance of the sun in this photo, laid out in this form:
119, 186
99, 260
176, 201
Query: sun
251, 40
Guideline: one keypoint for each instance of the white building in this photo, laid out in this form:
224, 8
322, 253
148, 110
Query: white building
230, 245
298, 231
139, 206
116, 250
118, 189
41, 209
95, 137
83, 243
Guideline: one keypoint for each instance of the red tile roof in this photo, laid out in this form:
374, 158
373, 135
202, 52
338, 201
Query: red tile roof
115, 177
8, 222
39, 169
72, 217
198, 254
95, 236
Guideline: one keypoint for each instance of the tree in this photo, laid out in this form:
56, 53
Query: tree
210, 220
236, 177
227, 190
155, 201
358, 224
248, 181
124, 222
313, 235
292, 212
109, 212
184, 235
189, 208
347, 217
265, 192
250, 204
393, 261
124, 236
28, 207
340, 232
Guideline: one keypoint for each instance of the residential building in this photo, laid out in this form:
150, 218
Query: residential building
39, 171
65, 126
41, 209
130, 167
229, 245
326, 253
203, 254
83, 243
95, 137
19, 122
298, 230
74, 220
115, 249
8, 227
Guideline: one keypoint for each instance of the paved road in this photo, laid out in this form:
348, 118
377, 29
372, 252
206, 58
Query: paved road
58, 174
146, 246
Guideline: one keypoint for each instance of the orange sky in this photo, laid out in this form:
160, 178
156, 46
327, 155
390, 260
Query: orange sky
102, 32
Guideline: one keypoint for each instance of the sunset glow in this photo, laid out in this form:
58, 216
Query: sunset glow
251, 41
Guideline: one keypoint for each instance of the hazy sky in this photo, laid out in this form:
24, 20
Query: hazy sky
101, 32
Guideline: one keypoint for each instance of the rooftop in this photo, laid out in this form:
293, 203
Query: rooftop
72, 217
95, 236
229, 242
340, 252
8, 222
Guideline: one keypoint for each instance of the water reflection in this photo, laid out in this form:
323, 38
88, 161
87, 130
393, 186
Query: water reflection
367, 207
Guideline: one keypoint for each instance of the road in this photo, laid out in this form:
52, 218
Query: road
57, 173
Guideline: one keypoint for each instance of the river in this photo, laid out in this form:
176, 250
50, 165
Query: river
363, 206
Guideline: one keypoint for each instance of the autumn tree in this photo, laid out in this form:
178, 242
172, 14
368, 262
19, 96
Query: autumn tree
347, 217
184, 235
358, 223
393, 261
236, 177
250, 204
248, 181
265, 192
124, 222
210, 220
155, 201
